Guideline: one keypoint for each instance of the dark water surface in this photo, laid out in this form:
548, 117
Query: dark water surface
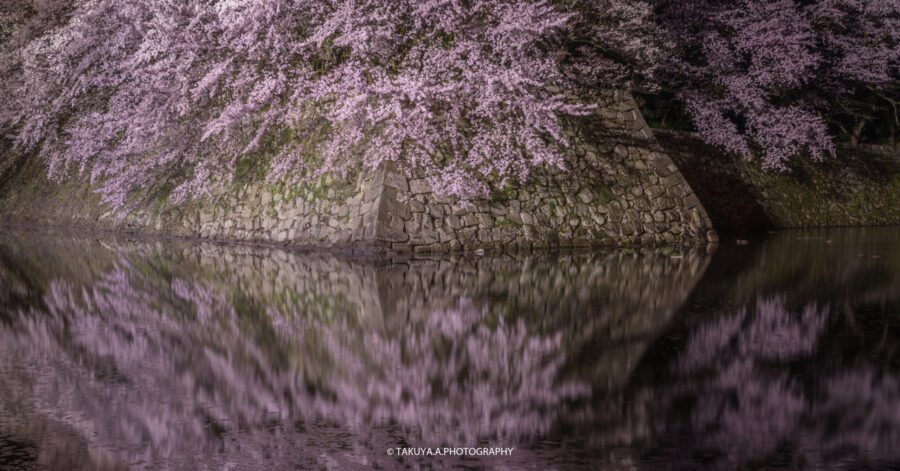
120, 353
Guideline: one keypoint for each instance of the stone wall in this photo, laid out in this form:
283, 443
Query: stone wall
620, 189
324, 213
861, 187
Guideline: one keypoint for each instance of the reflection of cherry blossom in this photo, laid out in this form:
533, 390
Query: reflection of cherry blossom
208, 357
457, 380
746, 414
865, 405
745, 404
777, 334
744, 411
771, 333
167, 370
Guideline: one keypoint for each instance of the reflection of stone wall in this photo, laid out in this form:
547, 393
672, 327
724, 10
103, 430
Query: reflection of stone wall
620, 189
608, 306
624, 294
624, 298
859, 187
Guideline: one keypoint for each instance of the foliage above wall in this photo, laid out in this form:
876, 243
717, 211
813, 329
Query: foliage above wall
777, 74
135, 91
130, 90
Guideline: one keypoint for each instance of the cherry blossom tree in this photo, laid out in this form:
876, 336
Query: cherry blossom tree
139, 94
134, 91
772, 75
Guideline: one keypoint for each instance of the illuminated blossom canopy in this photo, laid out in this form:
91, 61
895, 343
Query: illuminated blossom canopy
138, 93
134, 90
772, 75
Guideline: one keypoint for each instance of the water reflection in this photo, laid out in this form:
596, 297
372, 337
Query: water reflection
149, 354
153, 354
764, 385
787, 357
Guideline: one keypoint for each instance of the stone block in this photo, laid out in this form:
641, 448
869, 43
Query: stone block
419, 186
396, 223
435, 210
446, 235
390, 207
454, 222
467, 235
586, 196
397, 181
387, 233
416, 206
